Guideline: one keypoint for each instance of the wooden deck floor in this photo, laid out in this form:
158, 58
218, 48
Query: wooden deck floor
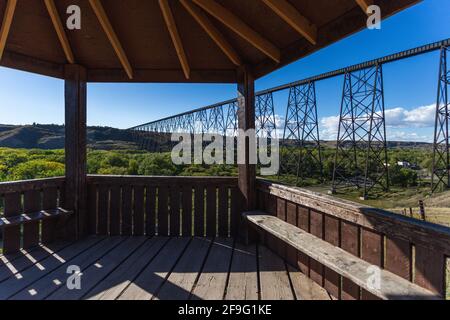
154, 268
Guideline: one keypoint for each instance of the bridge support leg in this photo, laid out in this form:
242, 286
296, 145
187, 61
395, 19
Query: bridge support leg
75, 145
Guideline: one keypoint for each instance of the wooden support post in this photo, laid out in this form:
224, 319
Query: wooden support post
247, 171
75, 144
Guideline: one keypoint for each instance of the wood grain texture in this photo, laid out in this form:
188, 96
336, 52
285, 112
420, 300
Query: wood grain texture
187, 212
48, 226
243, 279
150, 211
332, 280
399, 257
11, 235
31, 203
346, 264
350, 243
175, 198
138, 211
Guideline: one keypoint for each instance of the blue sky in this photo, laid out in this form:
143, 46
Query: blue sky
410, 85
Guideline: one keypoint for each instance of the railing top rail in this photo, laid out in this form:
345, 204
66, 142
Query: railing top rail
162, 180
383, 60
28, 185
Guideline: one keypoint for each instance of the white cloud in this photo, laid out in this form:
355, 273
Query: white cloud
396, 119
421, 117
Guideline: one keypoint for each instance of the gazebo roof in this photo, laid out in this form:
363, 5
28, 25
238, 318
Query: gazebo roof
175, 41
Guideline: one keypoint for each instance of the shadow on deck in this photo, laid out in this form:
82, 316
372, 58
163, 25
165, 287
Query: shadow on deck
158, 268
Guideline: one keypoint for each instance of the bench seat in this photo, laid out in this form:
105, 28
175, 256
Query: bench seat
33, 216
345, 264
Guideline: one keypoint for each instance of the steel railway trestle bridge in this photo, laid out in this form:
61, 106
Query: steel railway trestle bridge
361, 148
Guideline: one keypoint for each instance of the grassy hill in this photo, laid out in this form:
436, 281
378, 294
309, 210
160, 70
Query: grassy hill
49, 137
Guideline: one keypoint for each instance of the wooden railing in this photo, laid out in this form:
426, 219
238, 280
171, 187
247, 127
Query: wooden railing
175, 206
415, 250
29, 197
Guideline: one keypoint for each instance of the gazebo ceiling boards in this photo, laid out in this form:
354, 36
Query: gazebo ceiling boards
175, 40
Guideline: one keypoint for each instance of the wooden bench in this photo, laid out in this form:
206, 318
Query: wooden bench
340, 261
34, 216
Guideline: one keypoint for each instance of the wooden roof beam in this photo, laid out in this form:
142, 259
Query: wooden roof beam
212, 31
175, 35
238, 26
6, 24
57, 24
289, 14
364, 4
112, 36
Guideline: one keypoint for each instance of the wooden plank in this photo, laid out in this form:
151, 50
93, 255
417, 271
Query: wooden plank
14, 285
316, 271
303, 223
58, 277
372, 251
213, 32
350, 243
31, 203
212, 282
346, 264
175, 199
211, 211
163, 212
27, 218
92, 209
199, 218
305, 288
112, 36
281, 209
273, 276
48, 226
11, 235
13, 265
6, 24
290, 14
430, 269
175, 36
114, 211
100, 269
118, 280
180, 283
127, 210
332, 280
243, 279
103, 214
399, 257
150, 211
138, 217
239, 27
291, 218
235, 211
186, 199
223, 211
146, 285
59, 28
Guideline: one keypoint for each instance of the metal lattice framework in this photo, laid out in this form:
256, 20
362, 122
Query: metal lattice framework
361, 151
441, 156
301, 151
361, 156
265, 116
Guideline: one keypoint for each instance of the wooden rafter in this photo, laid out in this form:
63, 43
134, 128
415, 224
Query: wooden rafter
112, 36
238, 26
57, 24
289, 13
6, 24
212, 31
364, 4
175, 35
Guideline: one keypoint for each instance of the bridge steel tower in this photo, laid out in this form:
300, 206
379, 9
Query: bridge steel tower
361, 151
301, 151
441, 154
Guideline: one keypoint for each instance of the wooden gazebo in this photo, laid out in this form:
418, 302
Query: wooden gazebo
198, 41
